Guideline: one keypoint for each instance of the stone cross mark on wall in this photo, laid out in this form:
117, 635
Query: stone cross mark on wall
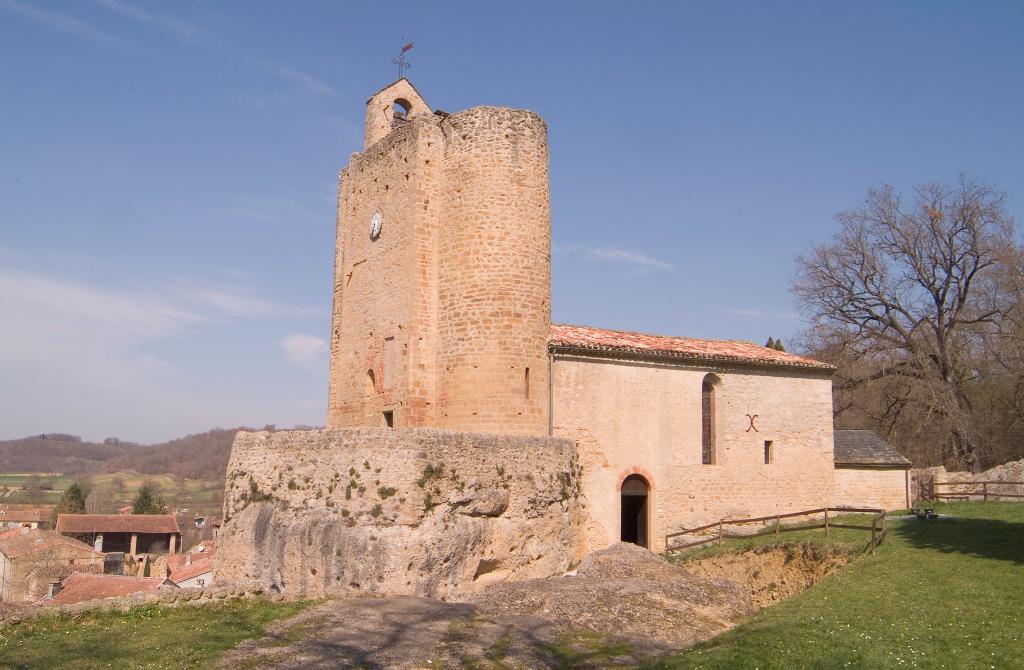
753, 418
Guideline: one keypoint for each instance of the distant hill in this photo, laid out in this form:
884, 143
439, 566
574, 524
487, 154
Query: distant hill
58, 453
200, 456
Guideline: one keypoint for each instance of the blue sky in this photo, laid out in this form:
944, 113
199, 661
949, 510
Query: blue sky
168, 172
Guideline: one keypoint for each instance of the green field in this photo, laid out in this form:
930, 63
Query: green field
145, 638
116, 489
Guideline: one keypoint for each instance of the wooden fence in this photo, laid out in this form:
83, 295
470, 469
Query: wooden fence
719, 534
967, 490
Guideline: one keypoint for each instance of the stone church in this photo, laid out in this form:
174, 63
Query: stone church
442, 318
553, 439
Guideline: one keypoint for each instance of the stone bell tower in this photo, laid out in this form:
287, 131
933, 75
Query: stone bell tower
442, 281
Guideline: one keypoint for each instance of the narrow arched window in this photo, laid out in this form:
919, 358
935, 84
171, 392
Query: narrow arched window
707, 421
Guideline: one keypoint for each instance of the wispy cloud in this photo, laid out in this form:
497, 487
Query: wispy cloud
307, 351
240, 305
303, 79
638, 260
629, 256
46, 316
59, 22
182, 30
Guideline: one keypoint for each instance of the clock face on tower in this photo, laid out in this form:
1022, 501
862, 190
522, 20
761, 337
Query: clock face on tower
376, 222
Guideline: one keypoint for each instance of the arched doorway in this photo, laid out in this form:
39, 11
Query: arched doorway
633, 500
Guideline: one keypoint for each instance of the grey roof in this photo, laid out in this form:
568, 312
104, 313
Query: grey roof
864, 447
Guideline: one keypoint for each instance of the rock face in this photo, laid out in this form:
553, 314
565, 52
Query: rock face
397, 511
627, 592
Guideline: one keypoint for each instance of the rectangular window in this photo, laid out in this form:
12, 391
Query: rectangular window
769, 452
389, 361
389, 419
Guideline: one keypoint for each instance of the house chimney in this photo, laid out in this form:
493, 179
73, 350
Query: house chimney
188, 558
54, 589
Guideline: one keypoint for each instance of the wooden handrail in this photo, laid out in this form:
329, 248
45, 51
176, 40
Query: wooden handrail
973, 482
877, 526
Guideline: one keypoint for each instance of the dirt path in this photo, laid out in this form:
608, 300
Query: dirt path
623, 605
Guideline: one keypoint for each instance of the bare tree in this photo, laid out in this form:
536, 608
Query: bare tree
907, 297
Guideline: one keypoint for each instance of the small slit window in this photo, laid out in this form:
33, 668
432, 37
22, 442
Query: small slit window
707, 421
389, 362
526, 384
769, 452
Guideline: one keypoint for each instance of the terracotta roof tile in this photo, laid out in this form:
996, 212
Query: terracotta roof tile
81, 586
175, 561
198, 567
18, 542
117, 523
588, 338
38, 515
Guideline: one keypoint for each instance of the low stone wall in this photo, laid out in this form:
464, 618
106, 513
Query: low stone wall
166, 597
397, 511
1012, 471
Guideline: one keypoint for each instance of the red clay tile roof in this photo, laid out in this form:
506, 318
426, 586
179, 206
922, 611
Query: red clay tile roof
81, 586
8, 515
564, 336
199, 566
18, 542
175, 561
117, 523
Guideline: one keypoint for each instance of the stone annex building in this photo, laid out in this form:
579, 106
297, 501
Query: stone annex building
531, 443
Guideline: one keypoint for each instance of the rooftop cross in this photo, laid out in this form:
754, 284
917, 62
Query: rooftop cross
400, 59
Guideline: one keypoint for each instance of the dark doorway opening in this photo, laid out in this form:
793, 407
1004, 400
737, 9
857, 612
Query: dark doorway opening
389, 419
634, 510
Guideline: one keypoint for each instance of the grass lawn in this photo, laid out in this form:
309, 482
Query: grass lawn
145, 638
947, 593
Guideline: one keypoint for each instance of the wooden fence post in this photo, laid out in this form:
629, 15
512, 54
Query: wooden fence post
719, 532
984, 491
776, 525
874, 523
826, 521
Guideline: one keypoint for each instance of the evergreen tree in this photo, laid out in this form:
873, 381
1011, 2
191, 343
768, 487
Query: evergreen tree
770, 343
72, 502
146, 503
778, 346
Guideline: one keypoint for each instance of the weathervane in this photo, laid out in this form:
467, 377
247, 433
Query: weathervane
400, 59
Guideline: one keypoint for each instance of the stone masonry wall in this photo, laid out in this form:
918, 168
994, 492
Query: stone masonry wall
404, 511
871, 487
637, 417
494, 296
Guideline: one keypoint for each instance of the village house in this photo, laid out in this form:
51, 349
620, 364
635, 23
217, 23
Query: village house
18, 516
80, 587
32, 559
193, 568
132, 534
